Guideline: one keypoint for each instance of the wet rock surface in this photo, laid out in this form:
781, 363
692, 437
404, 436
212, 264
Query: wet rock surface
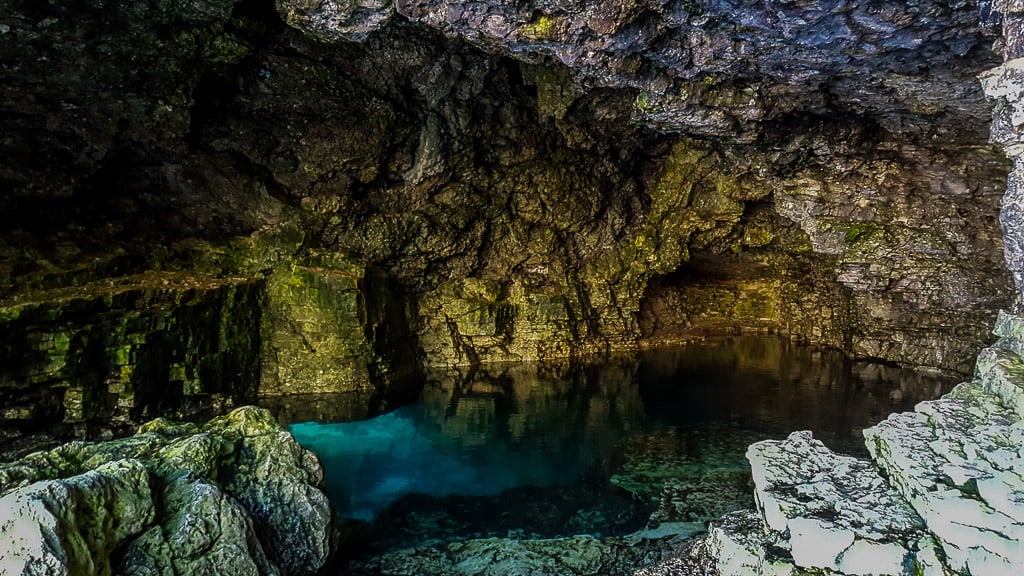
236, 496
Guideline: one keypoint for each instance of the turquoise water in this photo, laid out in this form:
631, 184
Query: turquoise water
541, 451
372, 463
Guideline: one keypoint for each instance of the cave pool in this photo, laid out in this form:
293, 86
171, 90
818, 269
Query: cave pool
535, 450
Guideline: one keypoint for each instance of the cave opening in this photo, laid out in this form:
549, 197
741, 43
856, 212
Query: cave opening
482, 217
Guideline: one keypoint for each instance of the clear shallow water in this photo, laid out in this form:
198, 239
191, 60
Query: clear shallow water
542, 451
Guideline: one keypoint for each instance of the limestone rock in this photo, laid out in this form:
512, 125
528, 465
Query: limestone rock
207, 532
574, 556
71, 526
958, 462
738, 543
280, 484
236, 496
837, 512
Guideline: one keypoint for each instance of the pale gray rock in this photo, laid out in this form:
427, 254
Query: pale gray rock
995, 372
739, 543
959, 462
837, 512
70, 526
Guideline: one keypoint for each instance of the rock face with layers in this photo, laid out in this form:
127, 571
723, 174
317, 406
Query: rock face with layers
235, 496
528, 180
959, 460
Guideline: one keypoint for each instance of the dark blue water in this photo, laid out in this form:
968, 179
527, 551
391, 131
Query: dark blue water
539, 451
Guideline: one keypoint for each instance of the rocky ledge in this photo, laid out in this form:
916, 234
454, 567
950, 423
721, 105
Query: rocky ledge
943, 493
235, 496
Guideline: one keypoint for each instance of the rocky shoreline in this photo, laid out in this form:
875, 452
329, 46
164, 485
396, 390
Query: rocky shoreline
943, 493
235, 496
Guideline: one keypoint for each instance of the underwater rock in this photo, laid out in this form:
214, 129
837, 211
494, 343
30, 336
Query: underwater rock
835, 512
692, 476
574, 556
236, 495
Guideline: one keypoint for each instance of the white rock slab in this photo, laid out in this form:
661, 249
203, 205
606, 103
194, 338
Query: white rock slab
837, 512
959, 461
70, 526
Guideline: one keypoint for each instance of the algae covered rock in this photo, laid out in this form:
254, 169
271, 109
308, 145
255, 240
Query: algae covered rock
280, 484
236, 496
207, 532
71, 526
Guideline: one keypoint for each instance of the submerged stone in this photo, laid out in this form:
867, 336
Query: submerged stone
575, 556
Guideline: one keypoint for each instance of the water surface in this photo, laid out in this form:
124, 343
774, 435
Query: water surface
533, 450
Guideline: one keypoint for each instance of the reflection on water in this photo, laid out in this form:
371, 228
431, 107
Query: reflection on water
668, 427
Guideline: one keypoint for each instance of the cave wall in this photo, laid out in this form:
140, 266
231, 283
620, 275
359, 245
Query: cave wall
404, 185
100, 358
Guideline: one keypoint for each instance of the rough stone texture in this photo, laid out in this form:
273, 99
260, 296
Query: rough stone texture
71, 526
105, 356
281, 485
576, 556
207, 532
235, 496
531, 178
1005, 85
737, 543
679, 53
957, 461
836, 512
315, 340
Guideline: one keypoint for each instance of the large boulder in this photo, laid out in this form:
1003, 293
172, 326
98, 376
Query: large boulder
70, 526
207, 532
236, 496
